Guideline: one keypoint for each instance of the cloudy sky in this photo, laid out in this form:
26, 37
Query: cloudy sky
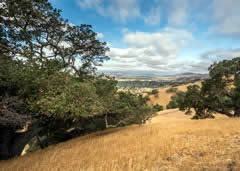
160, 36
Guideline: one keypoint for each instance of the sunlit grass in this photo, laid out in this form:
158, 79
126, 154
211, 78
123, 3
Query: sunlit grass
166, 144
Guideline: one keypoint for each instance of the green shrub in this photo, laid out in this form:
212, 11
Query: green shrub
158, 107
177, 100
172, 105
154, 92
172, 90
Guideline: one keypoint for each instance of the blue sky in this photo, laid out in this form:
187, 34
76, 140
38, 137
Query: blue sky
160, 36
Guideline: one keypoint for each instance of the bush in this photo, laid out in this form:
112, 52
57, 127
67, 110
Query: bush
158, 107
154, 92
172, 90
172, 105
203, 116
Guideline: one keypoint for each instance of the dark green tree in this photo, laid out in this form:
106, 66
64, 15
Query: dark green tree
176, 100
194, 99
36, 32
219, 93
36, 45
48, 83
158, 107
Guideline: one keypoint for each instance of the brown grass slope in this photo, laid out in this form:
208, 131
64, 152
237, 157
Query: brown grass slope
163, 97
170, 142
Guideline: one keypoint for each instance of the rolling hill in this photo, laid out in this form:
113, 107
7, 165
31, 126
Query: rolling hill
164, 97
170, 141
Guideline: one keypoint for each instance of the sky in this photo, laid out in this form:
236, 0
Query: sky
160, 36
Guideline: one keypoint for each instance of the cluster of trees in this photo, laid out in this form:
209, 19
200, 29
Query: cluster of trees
218, 94
157, 84
176, 100
154, 92
143, 84
49, 90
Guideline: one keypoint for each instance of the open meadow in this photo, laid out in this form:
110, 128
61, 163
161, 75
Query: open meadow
163, 97
171, 141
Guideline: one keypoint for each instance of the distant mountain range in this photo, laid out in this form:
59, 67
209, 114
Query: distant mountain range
140, 75
190, 74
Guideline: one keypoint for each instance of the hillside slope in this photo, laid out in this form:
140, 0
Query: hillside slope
164, 97
169, 142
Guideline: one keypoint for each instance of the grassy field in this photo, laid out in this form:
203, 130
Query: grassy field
163, 97
171, 141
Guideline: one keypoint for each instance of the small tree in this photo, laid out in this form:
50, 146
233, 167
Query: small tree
172, 90
158, 107
194, 99
154, 92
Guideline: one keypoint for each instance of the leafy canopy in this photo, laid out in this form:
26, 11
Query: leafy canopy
220, 93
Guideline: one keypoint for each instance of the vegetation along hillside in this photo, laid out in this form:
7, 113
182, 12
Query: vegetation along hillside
58, 113
163, 96
168, 143
49, 90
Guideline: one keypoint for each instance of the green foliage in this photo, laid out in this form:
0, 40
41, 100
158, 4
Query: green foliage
67, 98
195, 99
172, 105
149, 83
154, 92
171, 90
61, 98
29, 28
176, 100
158, 107
219, 93
131, 107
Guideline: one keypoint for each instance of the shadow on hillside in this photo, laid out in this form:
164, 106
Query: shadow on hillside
113, 130
107, 132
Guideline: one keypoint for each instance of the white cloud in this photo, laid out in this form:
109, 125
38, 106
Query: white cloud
215, 55
119, 10
209, 57
226, 15
124, 60
100, 35
178, 12
154, 16
148, 51
166, 38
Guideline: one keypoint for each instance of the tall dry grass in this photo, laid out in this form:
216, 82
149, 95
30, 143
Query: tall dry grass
165, 144
164, 97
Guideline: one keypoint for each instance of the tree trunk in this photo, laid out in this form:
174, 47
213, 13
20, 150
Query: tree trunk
106, 121
39, 142
13, 143
224, 112
112, 126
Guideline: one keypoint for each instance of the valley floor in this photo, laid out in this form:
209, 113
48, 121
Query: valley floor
171, 141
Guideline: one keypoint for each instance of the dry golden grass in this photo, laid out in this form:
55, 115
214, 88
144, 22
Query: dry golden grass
170, 142
163, 97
